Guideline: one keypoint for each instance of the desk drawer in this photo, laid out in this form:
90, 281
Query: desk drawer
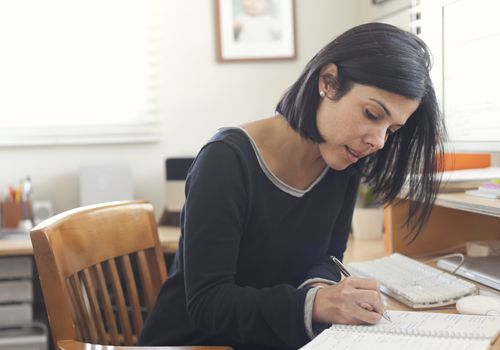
22, 346
16, 267
26, 338
15, 314
16, 291
24, 343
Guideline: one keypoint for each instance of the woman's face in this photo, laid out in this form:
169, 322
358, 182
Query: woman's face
359, 123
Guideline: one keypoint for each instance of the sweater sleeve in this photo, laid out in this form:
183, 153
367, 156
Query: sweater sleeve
216, 204
326, 269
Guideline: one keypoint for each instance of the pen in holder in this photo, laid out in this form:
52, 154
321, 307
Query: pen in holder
16, 207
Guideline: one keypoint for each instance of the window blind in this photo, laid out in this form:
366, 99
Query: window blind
79, 71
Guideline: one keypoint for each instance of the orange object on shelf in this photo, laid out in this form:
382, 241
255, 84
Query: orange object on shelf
457, 161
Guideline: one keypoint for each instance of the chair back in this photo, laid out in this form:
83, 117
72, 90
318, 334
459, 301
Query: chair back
101, 268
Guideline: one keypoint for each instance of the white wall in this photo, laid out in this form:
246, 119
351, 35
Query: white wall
199, 96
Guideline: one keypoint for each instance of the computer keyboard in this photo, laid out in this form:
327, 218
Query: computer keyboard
413, 283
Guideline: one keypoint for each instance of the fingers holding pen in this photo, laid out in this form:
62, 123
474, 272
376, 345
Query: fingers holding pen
374, 301
352, 301
365, 294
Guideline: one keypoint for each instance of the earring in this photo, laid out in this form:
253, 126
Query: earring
322, 93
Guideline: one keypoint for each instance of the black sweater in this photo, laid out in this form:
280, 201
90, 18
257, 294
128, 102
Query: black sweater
246, 245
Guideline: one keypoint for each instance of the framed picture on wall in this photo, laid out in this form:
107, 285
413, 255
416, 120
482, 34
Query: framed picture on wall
249, 30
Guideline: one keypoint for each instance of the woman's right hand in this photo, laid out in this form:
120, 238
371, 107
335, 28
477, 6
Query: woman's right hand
353, 300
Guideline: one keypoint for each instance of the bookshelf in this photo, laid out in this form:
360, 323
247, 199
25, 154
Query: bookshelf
456, 218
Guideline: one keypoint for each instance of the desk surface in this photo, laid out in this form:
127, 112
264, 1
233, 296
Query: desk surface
20, 244
169, 238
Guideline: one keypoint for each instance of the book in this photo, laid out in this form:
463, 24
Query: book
483, 194
461, 180
412, 330
487, 190
466, 179
493, 186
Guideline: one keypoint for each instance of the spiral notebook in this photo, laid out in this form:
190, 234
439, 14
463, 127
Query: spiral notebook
413, 330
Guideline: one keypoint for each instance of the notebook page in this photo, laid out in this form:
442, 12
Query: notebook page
433, 324
345, 340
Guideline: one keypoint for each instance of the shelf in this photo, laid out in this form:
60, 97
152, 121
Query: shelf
455, 219
468, 203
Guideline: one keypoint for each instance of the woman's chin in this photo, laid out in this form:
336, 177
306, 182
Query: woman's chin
337, 165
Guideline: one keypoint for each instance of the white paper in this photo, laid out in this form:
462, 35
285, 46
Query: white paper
433, 324
345, 340
412, 330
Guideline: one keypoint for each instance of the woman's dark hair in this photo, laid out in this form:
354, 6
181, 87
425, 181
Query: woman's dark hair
397, 61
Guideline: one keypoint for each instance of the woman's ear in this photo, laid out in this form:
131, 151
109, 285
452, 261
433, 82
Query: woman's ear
330, 68
328, 80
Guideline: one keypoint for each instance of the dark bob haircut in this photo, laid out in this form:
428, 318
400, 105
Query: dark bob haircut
397, 61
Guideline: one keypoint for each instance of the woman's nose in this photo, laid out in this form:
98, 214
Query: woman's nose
376, 139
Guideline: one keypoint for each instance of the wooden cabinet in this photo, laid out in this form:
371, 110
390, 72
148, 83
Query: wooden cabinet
18, 330
455, 219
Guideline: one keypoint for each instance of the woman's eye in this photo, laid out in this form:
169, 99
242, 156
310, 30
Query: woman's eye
370, 115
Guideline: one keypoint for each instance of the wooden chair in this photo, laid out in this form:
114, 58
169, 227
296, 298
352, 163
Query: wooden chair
101, 268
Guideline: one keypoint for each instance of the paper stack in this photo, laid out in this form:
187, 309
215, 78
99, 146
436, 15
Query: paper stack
467, 179
487, 190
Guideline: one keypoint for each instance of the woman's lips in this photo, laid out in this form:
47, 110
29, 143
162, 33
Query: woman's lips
352, 155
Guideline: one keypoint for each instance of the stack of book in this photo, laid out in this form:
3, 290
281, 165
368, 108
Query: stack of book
467, 179
487, 190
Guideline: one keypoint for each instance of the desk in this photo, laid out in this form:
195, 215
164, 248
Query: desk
21, 244
15, 247
357, 250
169, 239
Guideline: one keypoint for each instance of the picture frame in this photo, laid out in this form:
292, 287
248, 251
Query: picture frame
255, 30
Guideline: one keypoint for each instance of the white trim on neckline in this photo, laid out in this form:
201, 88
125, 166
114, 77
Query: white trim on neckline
270, 175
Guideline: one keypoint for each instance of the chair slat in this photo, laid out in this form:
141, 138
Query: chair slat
75, 316
147, 285
96, 318
75, 312
132, 294
106, 301
120, 304
79, 305
88, 312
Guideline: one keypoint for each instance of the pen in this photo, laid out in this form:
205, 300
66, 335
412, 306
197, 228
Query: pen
343, 270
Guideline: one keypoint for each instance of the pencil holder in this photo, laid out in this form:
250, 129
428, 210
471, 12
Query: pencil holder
13, 212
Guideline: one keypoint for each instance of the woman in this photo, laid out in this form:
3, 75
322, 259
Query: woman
269, 202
